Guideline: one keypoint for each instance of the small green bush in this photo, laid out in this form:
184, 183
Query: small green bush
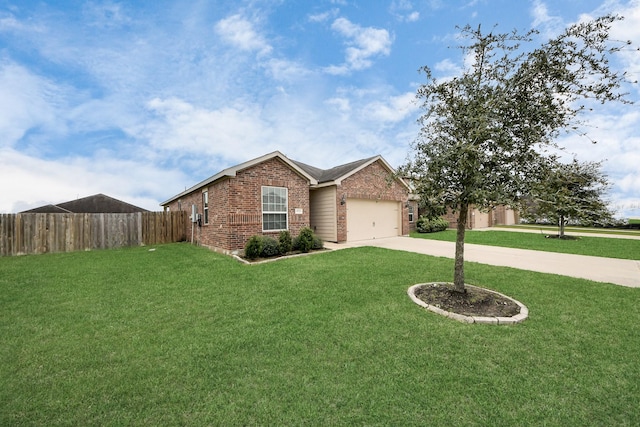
426, 225
284, 242
317, 243
423, 225
266, 247
439, 224
270, 247
305, 239
253, 248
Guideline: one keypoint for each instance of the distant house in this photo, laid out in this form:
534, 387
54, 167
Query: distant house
98, 203
499, 215
355, 201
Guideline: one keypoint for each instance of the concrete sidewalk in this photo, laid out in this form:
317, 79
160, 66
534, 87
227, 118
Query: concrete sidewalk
608, 270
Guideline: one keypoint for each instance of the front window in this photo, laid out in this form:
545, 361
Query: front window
410, 213
274, 208
205, 207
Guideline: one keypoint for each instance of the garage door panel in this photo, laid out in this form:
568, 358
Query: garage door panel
371, 219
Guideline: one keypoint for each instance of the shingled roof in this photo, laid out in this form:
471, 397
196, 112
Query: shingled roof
98, 203
316, 176
335, 173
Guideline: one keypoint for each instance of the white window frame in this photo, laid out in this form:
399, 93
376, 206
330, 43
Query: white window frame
268, 208
410, 207
205, 207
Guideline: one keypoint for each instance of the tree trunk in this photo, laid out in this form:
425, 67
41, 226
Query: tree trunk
561, 235
458, 272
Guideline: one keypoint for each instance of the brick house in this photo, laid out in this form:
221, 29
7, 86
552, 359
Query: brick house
499, 215
355, 201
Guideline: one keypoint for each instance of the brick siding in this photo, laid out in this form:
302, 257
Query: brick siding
374, 182
235, 205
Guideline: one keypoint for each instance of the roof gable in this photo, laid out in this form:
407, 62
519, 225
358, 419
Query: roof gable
315, 176
232, 172
336, 175
97, 203
47, 209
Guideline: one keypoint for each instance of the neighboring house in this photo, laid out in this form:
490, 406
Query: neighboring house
499, 215
356, 201
98, 203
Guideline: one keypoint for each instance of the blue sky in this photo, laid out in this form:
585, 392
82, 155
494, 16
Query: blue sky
140, 99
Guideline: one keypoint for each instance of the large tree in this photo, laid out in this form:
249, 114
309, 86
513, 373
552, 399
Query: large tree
570, 192
486, 131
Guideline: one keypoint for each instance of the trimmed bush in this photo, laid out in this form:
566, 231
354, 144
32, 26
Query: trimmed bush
259, 246
270, 247
439, 224
426, 225
305, 239
284, 242
317, 243
253, 248
423, 225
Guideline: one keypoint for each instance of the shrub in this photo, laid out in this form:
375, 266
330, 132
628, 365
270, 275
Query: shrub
423, 225
426, 225
284, 242
439, 224
270, 247
305, 239
253, 248
317, 243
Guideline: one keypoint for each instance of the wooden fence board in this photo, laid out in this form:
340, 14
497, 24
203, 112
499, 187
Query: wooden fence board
42, 233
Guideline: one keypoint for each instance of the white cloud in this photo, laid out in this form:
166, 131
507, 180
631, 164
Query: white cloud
323, 17
403, 10
240, 32
28, 102
413, 17
183, 128
286, 70
343, 105
362, 43
36, 182
629, 29
394, 109
448, 69
551, 25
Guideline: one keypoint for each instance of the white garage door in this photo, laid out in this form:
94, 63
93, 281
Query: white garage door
371, 219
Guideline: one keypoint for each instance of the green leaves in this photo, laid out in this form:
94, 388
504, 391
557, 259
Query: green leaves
485, 132
570, 192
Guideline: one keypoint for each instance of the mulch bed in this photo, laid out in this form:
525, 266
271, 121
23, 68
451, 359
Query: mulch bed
473, 302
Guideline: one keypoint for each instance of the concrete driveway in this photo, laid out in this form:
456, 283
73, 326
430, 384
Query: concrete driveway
608, 270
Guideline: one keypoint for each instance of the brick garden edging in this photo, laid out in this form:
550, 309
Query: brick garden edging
524, 311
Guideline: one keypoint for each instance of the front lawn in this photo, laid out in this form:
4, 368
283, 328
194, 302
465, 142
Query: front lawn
594, 246
570, 229
185, 336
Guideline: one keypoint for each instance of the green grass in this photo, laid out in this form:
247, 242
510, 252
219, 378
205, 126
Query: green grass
574, 229
594, 246
185, 336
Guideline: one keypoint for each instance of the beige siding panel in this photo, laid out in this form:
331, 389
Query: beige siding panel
510, 217
480, 219
372, 219
323, 213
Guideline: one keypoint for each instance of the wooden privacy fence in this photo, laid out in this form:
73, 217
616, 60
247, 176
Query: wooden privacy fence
36, 233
